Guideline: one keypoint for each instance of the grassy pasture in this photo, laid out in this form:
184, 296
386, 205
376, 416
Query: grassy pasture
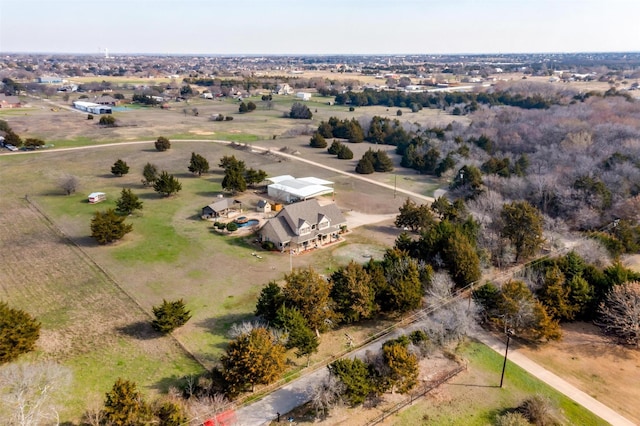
88, 323
170, 254
474, 397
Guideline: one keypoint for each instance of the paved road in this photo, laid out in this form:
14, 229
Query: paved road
296, 393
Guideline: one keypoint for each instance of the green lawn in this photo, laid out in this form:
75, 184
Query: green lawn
474, 397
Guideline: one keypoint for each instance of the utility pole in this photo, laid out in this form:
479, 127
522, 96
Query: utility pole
504, 364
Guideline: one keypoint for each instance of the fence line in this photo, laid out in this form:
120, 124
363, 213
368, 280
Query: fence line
88, 259
417, 394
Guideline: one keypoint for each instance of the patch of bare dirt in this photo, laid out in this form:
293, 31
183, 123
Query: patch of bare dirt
595, 364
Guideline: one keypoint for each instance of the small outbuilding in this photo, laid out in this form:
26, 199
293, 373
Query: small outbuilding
263, 206
222, 207
305, 96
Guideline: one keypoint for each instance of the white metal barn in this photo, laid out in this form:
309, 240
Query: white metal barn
289, 189
92, 108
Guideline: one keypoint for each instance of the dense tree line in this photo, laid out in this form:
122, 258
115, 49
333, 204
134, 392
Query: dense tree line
391, 98
353, 293
447, 238
564, 289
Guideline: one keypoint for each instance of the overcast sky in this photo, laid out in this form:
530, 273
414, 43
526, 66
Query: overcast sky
319, 26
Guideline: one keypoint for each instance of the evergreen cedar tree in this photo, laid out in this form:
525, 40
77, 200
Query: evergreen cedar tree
318, 141
19, 333
402, 365
253, 358
162, 144
306, 290
452, 239
371, 161
335, 147
237, 177
300, 111
167, 184
124, 405
514, 307
522, 227
107, 227
355, 376
344, 153
353, 293
170, 315
119, 168
198, 164
150, 174
128, 202
300, 336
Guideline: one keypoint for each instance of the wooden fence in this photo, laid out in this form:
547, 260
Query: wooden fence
417, 393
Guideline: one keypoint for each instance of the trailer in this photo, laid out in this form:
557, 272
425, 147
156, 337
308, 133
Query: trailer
97, 197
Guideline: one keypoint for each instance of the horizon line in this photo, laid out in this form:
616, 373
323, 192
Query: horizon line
112, 54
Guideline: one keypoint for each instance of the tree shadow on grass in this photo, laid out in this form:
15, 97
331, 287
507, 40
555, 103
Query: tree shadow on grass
83, 242
140, 330
152, 195
220, 325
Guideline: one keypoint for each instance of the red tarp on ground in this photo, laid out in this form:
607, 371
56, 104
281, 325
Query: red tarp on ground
226, 418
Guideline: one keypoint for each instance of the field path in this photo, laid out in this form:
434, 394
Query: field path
253, 146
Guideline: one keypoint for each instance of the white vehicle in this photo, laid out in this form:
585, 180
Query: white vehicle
97, 197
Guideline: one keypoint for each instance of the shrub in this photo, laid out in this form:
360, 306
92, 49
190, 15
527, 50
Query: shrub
19, 332
317, 141
335, 147
89, 117
399, 112
228, 118
351, 109
170, 315
232, 226
162, 144
268, 245
344, 153
300, 111
107, 121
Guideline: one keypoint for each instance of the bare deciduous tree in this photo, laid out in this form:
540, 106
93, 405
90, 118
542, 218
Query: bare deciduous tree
26, 392
207, 406
327, 395
69, 184
620, 312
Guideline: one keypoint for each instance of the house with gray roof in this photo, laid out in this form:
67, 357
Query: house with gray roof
303, 226
222, 207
